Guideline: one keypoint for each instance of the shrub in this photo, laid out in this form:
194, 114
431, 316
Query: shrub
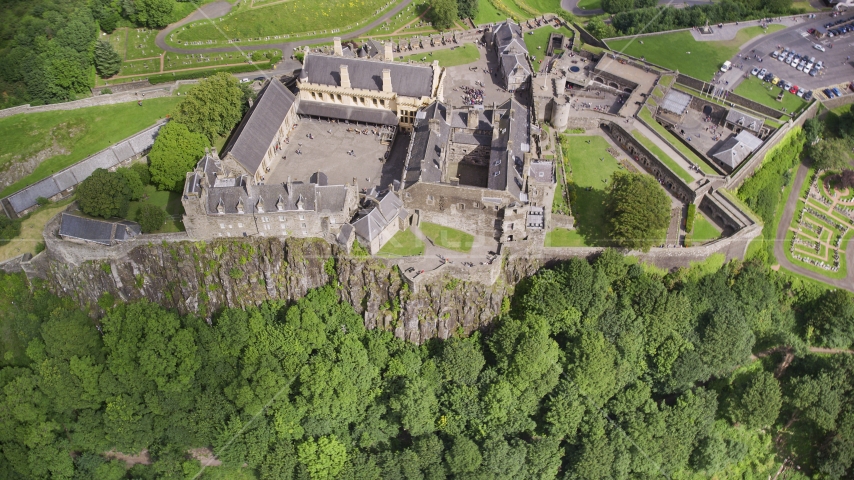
689, 218
151, 218
9, 229
141, 169
41, 201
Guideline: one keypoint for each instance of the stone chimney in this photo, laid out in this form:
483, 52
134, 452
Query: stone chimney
336, 47
434, 125
473, 119
389, 53
387, 80
345, 77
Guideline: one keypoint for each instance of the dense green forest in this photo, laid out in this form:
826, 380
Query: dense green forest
600, 370
48, 48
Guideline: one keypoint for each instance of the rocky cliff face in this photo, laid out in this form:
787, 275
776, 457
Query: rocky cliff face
204, 277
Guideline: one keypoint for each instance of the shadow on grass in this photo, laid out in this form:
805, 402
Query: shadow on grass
590, 219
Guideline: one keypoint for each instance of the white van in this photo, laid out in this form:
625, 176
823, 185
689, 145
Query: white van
727, 65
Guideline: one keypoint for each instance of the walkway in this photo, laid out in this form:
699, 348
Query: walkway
666, 148
730, 30
286, 47
780, 241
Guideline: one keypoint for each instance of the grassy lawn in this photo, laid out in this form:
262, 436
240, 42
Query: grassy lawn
448, 57
139, 43
31, 231
409, 14
704, 230
542, 6
447, 237
679, 50
486, 13
590, 175
671, 139
759, 91
678, 170
169, 201
295, 16
562, 237
590, 4
538, 42
68, 136
180, 61
402, 244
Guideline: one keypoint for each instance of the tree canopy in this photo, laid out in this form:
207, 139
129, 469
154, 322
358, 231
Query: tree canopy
175, 152
104, 194
638, 211
107, 60
213, 107
443, 13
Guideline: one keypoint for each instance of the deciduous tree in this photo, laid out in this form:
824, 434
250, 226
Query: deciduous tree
175, 152
638, 211
104, 194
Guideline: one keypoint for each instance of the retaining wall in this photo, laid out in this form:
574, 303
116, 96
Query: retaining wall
86, 102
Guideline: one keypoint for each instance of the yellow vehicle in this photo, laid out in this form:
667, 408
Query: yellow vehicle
775, 80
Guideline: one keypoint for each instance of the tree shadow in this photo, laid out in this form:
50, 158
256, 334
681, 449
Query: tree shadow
590, 218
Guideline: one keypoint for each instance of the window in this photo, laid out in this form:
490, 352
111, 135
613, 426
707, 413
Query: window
375, 102
302, 217
239, 225
283, 226
266, 227
430, 200
221, 226
461, 206
313, 96
407, 195
475, 204
230, 225
281, 219
265, 219
303, 226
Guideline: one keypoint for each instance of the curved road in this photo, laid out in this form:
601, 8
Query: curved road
218, 9
780, 241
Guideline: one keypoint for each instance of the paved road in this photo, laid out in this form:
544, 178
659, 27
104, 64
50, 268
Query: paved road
287, 48
780, 241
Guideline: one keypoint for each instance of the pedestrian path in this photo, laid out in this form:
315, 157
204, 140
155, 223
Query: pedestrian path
666, 148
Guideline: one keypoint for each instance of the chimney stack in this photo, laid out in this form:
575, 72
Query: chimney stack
389, 54
336, 47
387, 80
345, 77
473, 119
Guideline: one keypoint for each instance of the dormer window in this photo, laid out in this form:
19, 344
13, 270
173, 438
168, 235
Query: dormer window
300, 203
259, 207
240, 208
220, 208
280, 204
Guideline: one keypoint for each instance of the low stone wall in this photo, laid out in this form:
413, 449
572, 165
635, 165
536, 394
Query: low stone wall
86, 102
122, 87
839, 101
13, 265
587, 38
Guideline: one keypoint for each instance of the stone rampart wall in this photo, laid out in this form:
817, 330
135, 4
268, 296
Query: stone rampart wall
86, 102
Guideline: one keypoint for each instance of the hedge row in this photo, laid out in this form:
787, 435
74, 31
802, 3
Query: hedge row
689, 218
171, 77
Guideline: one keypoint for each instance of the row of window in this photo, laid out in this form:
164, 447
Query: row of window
359, 101
460, 206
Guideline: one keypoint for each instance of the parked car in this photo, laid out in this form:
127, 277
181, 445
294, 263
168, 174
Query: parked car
827, 93
808, 96
794, 89
768, 77
813, 72
818, 47
801, 93
836, 92
819, 65
763, 72
809, 66
775, 81
755, 71
245, 80
726, 66
775, 54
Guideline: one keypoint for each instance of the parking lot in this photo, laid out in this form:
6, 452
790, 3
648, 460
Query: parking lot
836, 57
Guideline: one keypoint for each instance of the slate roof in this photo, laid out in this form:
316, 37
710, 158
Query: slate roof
409, 80
376, 116
102, 232
27, 198
459, 118
744, 120
749, 140
542, 171
260, 126
676, 101
388, 210
330, 198
425, 145
732, 152
508, 38
510, 63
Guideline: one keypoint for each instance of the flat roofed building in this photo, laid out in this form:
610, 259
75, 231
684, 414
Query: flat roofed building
358, 85
676, 102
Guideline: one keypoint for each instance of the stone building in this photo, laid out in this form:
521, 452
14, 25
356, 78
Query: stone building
91, 230
376, 226
735, 149
465, 166
223, 203
367, 90
512, 54
262, 131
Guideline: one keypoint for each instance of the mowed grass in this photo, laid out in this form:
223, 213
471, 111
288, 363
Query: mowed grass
671, 138
68, 136
590, 169
486, 13
409, 14
766, 94
31, 231
704, 230
447, 237
448, 57
169, 201
679, 50
590, 4
296, 16
538, 42
562, 237
402, 244
678, 170
542, 6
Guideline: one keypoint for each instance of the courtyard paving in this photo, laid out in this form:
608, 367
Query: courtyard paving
328, 151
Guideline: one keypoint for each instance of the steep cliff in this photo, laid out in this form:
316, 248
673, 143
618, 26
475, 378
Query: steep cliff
204, 277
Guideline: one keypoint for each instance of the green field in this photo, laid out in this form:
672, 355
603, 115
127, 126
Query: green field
169, 201
562, 237
590, 4
402, 244
679, 50
704, 230
766, 94
487, 13
32, 230
295, 16
542, 6
446, 237
538, 42
68, 136
678, 170
180, 61
447, 58
410, 13
139, 43
590, 176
